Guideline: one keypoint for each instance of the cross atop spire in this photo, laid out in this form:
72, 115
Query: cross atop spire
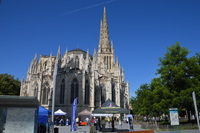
104, 41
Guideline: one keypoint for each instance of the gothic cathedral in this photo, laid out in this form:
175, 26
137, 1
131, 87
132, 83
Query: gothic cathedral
93, 79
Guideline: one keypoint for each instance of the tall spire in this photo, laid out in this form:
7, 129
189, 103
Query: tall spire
58, 59
104, 16
58, 53
35, 57
104, 41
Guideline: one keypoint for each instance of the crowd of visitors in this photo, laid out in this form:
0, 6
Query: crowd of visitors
95, 123
61, 120
99, 123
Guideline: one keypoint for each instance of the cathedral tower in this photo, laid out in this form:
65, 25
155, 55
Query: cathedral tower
105, 47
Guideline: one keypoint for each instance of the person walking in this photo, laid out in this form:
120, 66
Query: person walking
96, 124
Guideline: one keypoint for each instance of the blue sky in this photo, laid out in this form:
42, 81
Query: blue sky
141, 31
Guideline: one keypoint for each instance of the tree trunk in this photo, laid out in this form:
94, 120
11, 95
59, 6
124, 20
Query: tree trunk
189, 116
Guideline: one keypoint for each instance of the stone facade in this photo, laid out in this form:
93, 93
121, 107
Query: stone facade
93, 79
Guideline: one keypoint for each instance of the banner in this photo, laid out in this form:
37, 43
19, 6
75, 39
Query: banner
73, 116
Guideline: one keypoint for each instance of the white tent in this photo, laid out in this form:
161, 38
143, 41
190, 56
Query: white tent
59, 112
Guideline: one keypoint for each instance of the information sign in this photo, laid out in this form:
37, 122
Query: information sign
174, 119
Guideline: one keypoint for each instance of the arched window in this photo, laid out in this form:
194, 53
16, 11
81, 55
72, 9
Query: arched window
36, 90
76, 62
45, 93
62, 92
74, 89
45, 65
87, 92
113, 93
102, 96
105, 60
122, 98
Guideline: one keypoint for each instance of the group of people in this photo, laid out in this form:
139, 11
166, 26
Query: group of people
96, 123
99, 124
61, 120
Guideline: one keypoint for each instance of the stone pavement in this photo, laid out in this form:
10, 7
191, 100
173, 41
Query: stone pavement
86, 129
118, 128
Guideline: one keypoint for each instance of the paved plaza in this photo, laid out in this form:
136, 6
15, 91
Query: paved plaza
118, 128
86, 129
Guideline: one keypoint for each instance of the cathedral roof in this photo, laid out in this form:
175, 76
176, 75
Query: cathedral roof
46, 56
77, 50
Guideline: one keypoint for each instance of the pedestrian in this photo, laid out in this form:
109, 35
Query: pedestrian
96, 123
99, 124
57, 120
103, 124
77, 121
109, 121
67, 122
87, 120
92, 121
117, 120
61, 122
113, 124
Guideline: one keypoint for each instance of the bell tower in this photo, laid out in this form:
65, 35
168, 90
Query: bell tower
105, 47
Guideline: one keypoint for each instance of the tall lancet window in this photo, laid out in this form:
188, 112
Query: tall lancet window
74, 89
76, 62
36, 90
87, 92
62, 92
103, 96
45, 93
105, 61
113, 93
45, 65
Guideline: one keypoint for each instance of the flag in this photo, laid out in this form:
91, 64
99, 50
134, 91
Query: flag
73, 116
109, 104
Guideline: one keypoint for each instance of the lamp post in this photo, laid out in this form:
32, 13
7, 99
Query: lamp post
195, 107
53, 97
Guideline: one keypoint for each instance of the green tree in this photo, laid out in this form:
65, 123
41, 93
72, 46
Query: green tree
162, 97
179, 75
134, 105
144, 100
9, 85
173, 68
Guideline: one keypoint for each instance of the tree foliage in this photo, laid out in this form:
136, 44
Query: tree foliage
178, 77
9, 85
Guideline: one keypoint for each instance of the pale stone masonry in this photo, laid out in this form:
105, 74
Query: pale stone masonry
93, 79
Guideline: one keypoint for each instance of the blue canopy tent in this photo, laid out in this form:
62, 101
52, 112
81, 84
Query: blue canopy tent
43, 115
